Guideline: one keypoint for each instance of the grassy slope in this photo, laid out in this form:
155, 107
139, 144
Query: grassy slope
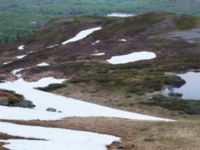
17, 16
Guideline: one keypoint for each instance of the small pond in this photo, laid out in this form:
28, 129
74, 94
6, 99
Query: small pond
190, 90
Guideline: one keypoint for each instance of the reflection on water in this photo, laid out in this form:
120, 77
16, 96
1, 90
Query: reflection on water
190, 90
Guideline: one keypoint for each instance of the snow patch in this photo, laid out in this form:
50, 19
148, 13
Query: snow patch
98, 54
122, 40
43, 82
117, 14
21, 56
17, 113
16, 72
52, 46
8, 62
30, 52
21, 47
133, 57
54, 138
68, 106
42, 64
81, 35
98, 41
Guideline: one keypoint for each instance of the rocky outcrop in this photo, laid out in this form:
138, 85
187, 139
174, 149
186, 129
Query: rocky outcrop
11, 99
189, 36
51, 109
23, 104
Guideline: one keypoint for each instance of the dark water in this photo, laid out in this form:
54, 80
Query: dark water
191, 89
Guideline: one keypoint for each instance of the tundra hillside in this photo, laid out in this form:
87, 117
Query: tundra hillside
22, 17
134, 86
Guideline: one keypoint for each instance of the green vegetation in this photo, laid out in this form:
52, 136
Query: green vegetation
138, 82
10, 97
60, 28
132, 80
52, 87
172, 103
154, 25
131, 26
14, 99
186, 22
22, 17
136, 79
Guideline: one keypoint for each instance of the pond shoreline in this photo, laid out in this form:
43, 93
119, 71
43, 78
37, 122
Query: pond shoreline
189, 90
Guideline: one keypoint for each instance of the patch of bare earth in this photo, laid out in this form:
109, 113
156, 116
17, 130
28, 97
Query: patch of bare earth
136, 135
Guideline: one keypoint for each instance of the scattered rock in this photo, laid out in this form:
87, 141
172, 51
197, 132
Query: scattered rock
24, 104
175, 81
189, 36
51, 109
11, 99
4, 102
121, 146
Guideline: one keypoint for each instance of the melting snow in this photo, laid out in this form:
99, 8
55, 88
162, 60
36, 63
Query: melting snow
98, 41
16, 72
8, 62
21, 47
81, 35
133, 57
122, 40
54, 138
44, 82
21, 56
98, 54
52, 46
30, 52
68, 106
16, 113
116, 14
42, 64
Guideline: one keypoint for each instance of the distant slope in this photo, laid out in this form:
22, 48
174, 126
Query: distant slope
21, 17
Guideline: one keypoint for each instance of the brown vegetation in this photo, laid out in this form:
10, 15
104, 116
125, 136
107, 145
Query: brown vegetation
136, 135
